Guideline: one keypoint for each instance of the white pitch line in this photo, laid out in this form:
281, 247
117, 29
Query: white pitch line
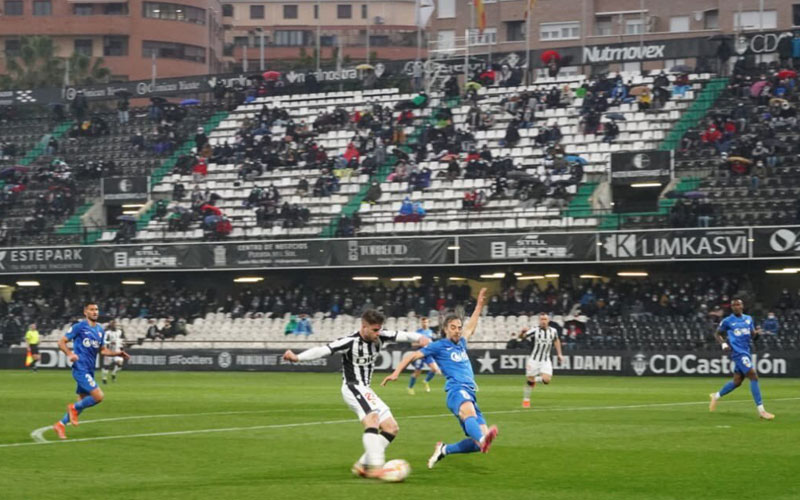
350, 420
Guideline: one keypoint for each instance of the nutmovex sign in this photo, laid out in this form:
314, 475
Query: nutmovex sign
534, 247
679, 244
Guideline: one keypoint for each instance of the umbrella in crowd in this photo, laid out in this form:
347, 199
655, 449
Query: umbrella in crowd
739, 159
126, 218
575, 159
365, 66
681, 68
641, 89
549, 55
694, 195
189, 102
787, 73
211, 208
271, 76
616, 116
473, 86
757, 87
777, 101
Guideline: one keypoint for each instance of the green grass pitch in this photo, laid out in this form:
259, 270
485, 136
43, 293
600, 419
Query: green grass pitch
236, 436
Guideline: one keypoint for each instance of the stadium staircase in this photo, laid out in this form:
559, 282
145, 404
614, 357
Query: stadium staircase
580, 206
41, 146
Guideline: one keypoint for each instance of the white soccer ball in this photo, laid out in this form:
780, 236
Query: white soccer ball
395, 470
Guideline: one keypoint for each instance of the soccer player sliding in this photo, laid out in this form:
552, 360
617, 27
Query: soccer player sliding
450, 353
734, 334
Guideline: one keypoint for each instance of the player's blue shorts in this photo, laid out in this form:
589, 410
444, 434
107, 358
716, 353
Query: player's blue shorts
743, 363
458, 396
420, 363
85, 380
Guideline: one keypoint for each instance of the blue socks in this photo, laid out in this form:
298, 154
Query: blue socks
473, 428
464, 446
84, 403
756, 391
726, 389
431, 374
65, 420
412, 381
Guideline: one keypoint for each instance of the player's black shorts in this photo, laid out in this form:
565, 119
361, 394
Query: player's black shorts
34, 348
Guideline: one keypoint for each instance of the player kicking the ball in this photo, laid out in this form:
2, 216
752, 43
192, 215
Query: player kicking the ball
539, 368
734, 335
450, 353
359, 352
87, 339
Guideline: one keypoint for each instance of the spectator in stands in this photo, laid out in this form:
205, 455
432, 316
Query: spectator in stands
303, 326
610, 131
644, 100
374, 193
770, 325
153, 332
199, 169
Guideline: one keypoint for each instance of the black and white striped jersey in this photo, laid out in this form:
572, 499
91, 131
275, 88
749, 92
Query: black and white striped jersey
542, 342
358, 355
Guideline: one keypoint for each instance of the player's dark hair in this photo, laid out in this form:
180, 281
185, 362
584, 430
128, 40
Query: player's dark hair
89, 303
448, 319
373, 317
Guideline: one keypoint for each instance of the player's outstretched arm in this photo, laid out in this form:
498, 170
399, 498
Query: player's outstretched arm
105, 351
557, 344
413, 338
472, 324
722, 339
308, 354
407, 360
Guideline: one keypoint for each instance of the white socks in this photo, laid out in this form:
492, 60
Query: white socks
761, 409
716, 396
526, 392
538, 378
374, 448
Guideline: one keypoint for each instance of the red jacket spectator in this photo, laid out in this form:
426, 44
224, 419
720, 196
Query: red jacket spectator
711, 135
200, 167
351, 153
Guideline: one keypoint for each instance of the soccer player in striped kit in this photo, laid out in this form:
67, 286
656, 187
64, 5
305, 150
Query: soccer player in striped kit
539, 368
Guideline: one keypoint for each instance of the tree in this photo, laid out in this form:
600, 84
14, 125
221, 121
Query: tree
37, 66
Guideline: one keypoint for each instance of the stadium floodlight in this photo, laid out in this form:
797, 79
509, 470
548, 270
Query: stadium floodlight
133, 205
365, 278
411, 278
785, 270
248, 279
27, 283
456, 278
517, 274
528, 278
81, 283
494, 275
632, 274
590, 277
646, 185
132, 282
454, 247
552, 275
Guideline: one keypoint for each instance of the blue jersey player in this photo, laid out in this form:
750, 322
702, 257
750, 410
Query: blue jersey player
424, 329
734, 334
450, 353
87, 339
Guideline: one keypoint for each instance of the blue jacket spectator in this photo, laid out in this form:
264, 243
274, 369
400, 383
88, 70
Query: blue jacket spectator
770, 325
303, 326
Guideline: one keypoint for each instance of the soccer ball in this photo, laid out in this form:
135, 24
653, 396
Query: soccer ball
395, 471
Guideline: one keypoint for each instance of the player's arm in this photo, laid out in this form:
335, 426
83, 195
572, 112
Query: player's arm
62, 344
557, 344
407, 360
415, 339
472, 324
308, 354
722, 338
105, 351
523, 333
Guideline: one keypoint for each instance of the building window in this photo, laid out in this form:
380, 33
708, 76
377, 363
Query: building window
328, 40
173, 12
671, 63
344, 11
679, 23
364, 11
379, 41
12, 48
559, 31
13, 8
631, 67
83, 9
83, 46
446, 10
603, 26
42, 8
489, 36
634, 26
241, 41
115, 9
515, 31
115, 45
711, 19
290, 38
316, 12
752, 20
170, 50
290, 11
227, 10
445, 40
256, 12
